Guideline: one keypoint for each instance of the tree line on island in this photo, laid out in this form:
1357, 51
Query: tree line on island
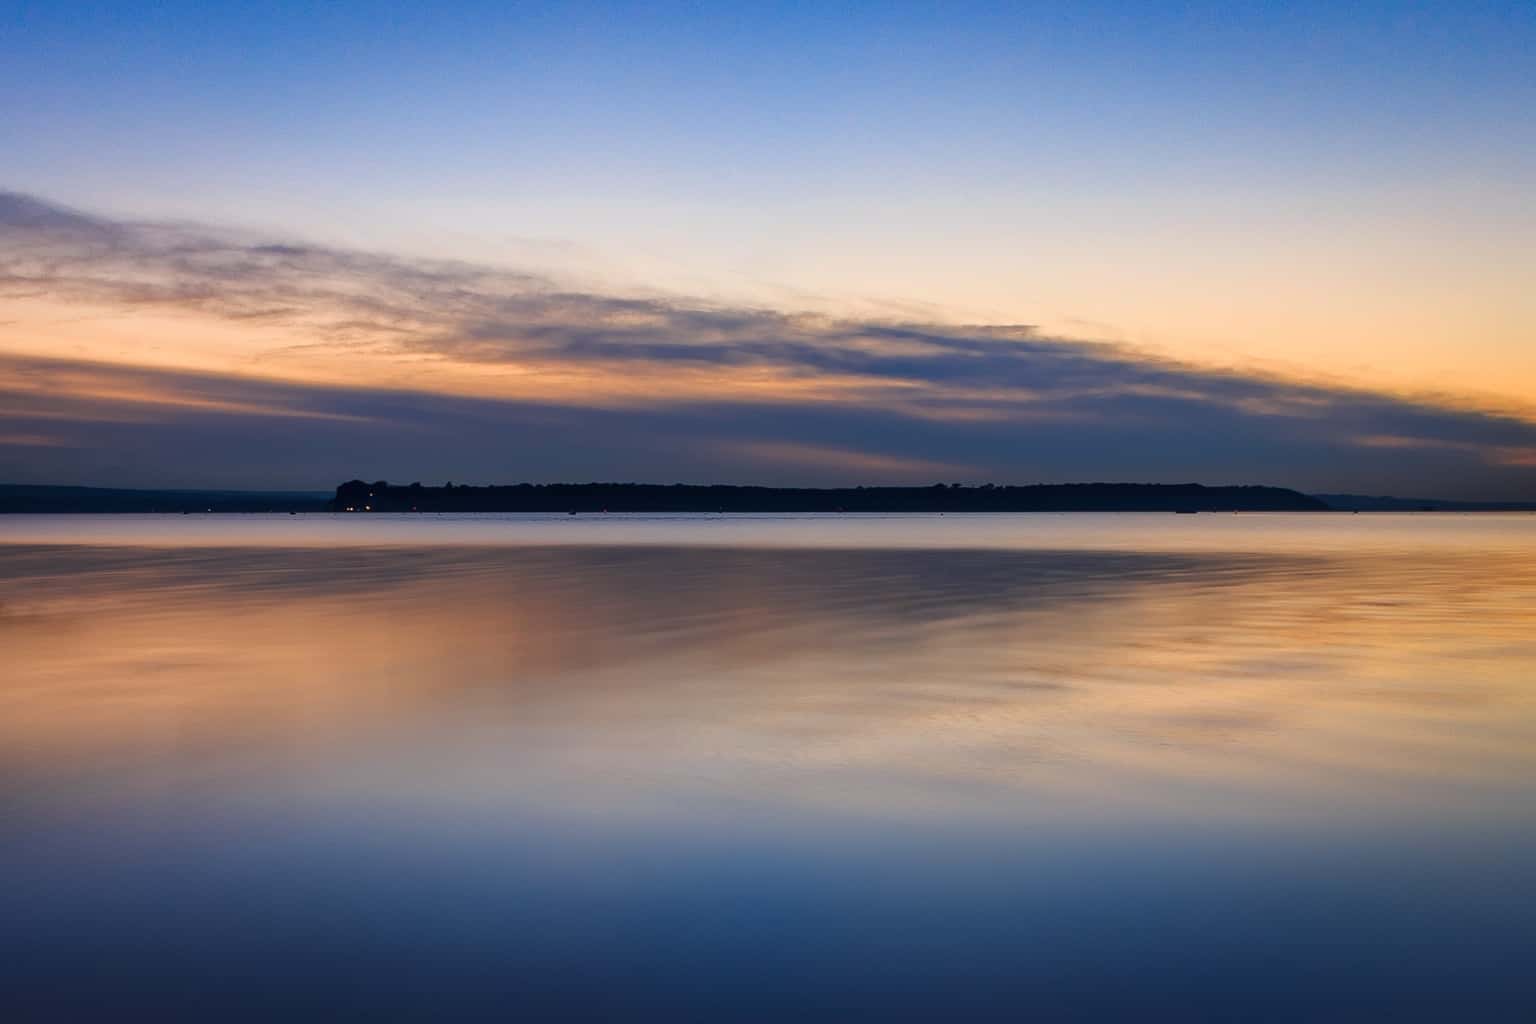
382, 496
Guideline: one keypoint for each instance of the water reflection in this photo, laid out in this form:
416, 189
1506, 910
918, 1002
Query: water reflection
750, 782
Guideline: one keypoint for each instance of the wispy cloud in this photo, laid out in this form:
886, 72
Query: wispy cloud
376, 344
852, 464
34, 388
30, 441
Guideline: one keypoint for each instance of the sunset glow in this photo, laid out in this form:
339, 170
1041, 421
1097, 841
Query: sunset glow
1302, 231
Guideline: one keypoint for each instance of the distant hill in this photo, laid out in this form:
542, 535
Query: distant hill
36, 499
1382, 503
360, 496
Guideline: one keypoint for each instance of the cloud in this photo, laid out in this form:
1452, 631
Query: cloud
364, 349
30, 441
851, 464
35, 388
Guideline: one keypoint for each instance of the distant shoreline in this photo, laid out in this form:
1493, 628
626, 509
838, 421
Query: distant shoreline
360, 496
35, 499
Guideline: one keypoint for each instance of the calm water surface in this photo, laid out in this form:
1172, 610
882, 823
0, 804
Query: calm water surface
768, 768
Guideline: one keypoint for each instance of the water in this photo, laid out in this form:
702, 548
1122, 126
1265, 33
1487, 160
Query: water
768, 768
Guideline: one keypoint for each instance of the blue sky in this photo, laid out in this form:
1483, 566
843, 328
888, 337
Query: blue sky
750, 93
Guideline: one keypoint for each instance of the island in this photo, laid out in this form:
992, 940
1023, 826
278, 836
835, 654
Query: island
359, 496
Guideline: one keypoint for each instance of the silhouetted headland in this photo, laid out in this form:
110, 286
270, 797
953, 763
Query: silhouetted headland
361, 496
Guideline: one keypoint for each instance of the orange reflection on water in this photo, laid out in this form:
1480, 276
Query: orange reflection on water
921, 684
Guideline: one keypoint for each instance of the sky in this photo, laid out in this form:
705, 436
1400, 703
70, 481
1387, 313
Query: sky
283, 245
